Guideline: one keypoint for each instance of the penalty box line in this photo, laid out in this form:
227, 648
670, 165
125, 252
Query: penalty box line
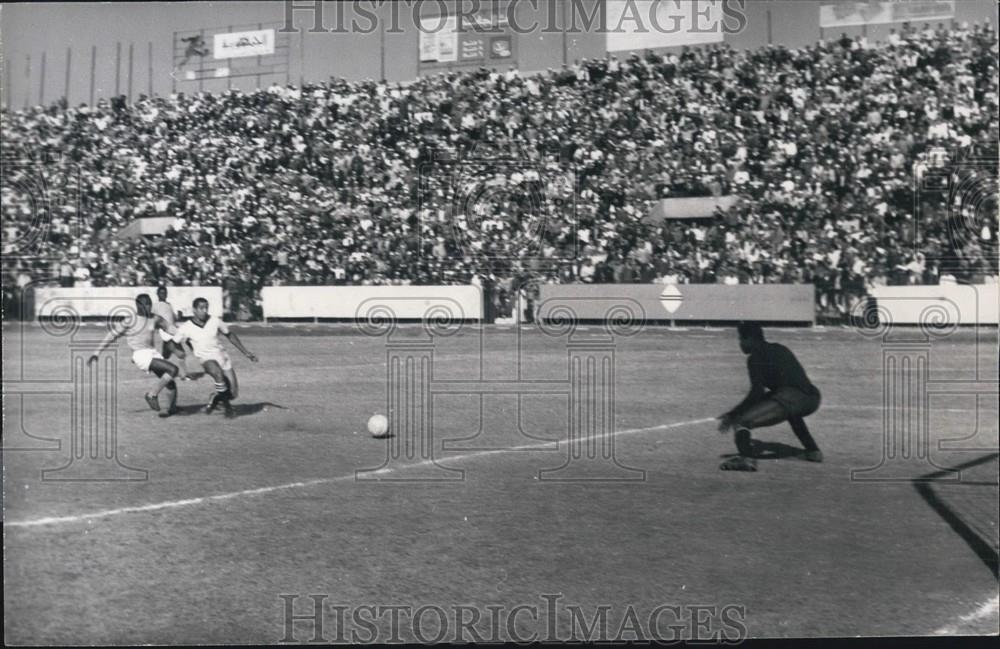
201, 500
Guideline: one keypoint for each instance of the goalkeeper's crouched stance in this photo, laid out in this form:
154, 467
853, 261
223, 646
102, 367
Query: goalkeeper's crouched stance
779, 391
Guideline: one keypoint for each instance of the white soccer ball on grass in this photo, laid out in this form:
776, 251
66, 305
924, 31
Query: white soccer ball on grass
378, 426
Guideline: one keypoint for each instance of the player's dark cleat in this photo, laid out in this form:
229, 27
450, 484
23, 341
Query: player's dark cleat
172, 410
213, 403
739, 463
228, 408
152, 401
813, 456
744, 444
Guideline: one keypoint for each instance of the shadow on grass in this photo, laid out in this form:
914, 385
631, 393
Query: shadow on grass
967, 506
244, 409
771, 451
239, 409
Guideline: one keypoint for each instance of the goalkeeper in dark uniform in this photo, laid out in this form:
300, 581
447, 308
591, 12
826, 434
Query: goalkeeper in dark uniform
779, 391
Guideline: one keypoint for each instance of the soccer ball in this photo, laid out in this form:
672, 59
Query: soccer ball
378, 426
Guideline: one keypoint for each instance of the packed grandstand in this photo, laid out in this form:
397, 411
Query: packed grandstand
855, 165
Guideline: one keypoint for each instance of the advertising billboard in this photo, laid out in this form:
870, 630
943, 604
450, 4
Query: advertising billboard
698, 302
231, 52
239, 44
483, 38
845, 13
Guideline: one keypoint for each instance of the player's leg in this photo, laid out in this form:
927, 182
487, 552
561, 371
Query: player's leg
171, 348
170, 389
785, 404
165, 372
800, 405
234, 385
220, 394
801, 430
171, 392
766, 412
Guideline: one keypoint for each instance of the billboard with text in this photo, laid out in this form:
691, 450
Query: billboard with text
239, 44
845, 13
260, 50
482, 38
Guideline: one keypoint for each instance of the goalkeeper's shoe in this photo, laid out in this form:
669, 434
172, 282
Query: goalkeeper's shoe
739, 463
815, 455
228, 409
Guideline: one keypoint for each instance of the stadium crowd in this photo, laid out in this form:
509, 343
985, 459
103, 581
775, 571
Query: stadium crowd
841, 153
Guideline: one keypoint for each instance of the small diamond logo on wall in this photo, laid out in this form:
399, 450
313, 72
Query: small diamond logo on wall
671, 298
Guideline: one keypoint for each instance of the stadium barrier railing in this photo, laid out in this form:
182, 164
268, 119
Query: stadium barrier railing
367, 303
110, 301
679, 303
944, 304
794, 304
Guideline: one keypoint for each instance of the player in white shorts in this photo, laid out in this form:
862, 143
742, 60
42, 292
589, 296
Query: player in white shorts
140, 334
203, 331
166, 311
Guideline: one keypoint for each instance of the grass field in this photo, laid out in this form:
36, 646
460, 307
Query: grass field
236, 513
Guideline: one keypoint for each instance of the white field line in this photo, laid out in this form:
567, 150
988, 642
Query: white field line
882, 408
985, 611
175, 504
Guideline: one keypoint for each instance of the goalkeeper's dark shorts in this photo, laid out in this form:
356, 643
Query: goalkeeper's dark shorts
795, 402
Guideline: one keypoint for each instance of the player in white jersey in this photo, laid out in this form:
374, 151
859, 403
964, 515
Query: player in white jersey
166, 311
140, 334
203, 331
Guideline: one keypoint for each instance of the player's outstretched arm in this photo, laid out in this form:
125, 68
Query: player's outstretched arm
117, 331
238, 344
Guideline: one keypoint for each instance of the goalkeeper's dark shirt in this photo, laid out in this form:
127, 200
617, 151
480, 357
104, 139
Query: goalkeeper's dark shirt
772, 367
